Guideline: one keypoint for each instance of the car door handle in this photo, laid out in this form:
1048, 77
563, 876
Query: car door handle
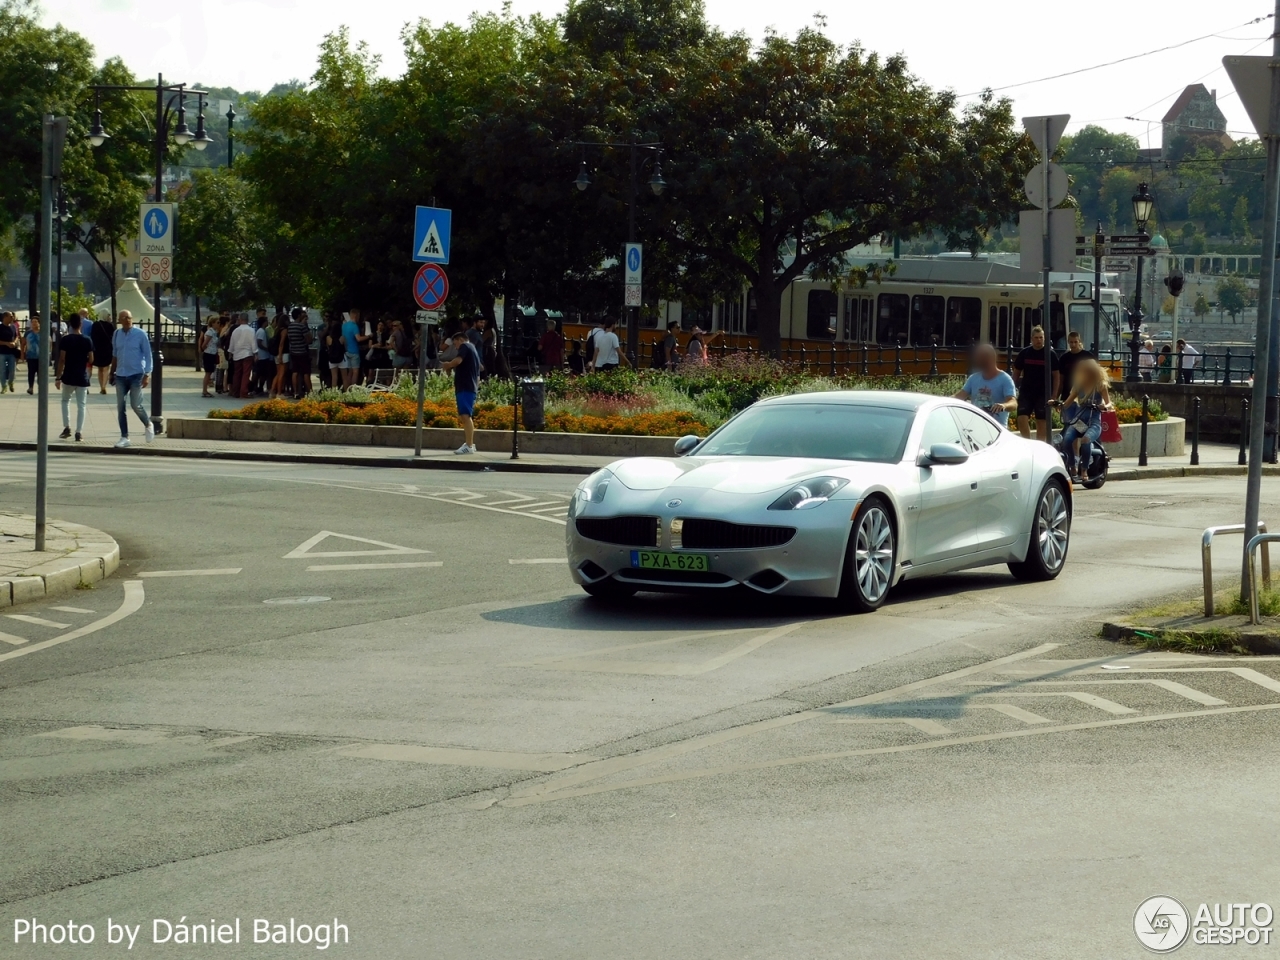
974, 485
1014, 475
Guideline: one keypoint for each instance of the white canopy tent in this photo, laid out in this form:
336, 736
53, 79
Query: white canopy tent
130, 297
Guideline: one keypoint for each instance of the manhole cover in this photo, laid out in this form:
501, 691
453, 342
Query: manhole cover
298, 600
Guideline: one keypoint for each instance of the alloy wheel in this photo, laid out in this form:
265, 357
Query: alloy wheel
1053, 527
873, 554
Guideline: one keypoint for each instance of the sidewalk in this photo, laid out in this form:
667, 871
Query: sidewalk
73, 555
182, 399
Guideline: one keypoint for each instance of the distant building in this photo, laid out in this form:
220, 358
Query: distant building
1195, 113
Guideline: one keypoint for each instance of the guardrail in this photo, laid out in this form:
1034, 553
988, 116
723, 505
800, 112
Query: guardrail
1261, 540
1206, 559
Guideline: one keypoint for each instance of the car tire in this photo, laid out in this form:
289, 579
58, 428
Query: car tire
869, 559
610, 590
1050, 535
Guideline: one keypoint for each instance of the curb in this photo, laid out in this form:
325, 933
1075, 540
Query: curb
1258, 643
472, 466
95, 557
1207, 470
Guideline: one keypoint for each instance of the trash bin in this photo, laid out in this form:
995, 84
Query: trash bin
533, 401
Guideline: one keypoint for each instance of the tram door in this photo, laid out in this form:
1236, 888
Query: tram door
1009, 325
858, 323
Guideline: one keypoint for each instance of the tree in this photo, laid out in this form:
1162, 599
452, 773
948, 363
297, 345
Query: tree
1201, 307
1170, 306
1087, 155
784, 156
1233, 296
214, 243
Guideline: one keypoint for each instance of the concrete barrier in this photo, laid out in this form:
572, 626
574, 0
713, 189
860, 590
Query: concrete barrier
1165, 438
433, 438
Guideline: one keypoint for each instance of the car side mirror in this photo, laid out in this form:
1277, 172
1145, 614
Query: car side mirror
687, 443
942, 454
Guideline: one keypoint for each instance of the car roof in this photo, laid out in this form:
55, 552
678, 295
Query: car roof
894, 399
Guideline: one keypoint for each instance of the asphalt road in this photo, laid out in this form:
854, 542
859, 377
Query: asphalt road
454, 752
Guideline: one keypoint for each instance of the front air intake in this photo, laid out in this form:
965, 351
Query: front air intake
721, 535
624, 531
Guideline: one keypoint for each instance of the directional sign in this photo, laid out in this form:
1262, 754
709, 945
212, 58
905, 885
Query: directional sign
431, 229
430, 287
1116, 250
155, 233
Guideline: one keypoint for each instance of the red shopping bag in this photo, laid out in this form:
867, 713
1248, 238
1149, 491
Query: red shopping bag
1110, 427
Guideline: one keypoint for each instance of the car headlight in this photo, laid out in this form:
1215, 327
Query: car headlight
811, 493
593, 489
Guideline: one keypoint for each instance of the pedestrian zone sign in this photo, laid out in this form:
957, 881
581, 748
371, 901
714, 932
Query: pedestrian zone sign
155, 234
431, 229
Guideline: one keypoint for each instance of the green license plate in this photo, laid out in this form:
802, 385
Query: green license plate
659, 560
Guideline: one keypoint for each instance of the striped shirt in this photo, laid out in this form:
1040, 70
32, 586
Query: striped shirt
299, 332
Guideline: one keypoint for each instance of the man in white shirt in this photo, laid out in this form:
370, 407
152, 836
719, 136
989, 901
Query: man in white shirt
242, 352
605, 343
1146, 360
1188, 357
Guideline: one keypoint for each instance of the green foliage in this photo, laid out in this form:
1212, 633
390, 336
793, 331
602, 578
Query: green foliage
215, 241
1233, 295
72, 303
1201, 307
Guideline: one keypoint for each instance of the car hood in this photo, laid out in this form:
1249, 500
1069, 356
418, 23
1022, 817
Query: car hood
745, 475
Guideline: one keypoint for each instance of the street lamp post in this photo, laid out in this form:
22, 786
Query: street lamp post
231, 125
171, 106
1142, 205
656, 183
62, 216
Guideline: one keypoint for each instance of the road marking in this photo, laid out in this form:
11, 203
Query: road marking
1247, 673
1009, 710
375, 566
528, 796
1094, 701
228, 741
536, 792
455, 757
1171, 685
542, 560
674, 669
515, 498
213, 572
543, 504
303, 550
420, 496
72, 610
134, 595
9, 638
932, 727
464, 495
96, 732
38, 621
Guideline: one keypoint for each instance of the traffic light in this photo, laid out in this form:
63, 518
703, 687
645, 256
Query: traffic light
1175, 282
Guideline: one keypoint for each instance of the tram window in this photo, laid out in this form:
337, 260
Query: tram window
731, 316
1017, 329
894, 316
867, 319
821, 321
927, 317
850, 319
691, 316
753, 314
964, 321
999, 332
1057, 326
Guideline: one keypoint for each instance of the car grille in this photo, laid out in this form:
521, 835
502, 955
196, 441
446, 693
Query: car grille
722, 535
624, 531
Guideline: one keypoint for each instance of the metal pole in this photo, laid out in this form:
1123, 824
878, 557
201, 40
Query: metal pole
1047, 316
1245, 434
1142, 441
515, 423
1135, 321
231, 124
1195, 431
633, 313
1099, 241
422, 385
157, 399
1266, 294
47, 164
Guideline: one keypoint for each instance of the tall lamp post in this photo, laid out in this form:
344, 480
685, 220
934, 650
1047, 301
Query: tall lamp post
1142, 205
231, 126
171, 118
62, 216
640, 153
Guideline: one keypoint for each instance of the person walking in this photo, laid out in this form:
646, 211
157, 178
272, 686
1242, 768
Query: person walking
1090, 394
242, 353
989, 388
666, 352
131, 363
466, 384
1030, 365
32, 341
300, 352
351, 338
75, 360
1188, 357
101, 334
551, 347
1146, 360
605, 355
8, 350
208, 356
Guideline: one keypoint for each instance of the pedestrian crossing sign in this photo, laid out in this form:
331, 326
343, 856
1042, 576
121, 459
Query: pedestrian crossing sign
431, 229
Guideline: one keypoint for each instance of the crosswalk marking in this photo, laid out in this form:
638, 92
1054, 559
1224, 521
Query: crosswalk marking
9, 638
1109, 706
38, 621
1171, 685
932, 727
1017, 713
1246, 673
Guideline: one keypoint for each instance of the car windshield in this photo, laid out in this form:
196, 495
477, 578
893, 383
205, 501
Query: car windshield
822, 431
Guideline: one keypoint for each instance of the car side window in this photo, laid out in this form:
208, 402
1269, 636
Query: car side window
978, 431
941, 427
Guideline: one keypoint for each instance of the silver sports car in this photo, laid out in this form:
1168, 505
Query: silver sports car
839, 494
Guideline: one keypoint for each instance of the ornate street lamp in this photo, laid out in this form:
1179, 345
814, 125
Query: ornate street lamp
1143, 203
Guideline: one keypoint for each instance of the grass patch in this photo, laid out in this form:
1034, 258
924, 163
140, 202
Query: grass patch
1210, 640
84, 585
1268, 604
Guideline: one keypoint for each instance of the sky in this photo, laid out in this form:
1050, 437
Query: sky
962, 45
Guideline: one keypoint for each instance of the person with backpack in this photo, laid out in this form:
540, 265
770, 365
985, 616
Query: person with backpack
666, 350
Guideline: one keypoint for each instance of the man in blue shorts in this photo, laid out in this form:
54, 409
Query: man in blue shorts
989, 388
351, 339
466, 384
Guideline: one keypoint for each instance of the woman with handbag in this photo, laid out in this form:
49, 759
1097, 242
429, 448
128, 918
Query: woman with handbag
1082, 417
